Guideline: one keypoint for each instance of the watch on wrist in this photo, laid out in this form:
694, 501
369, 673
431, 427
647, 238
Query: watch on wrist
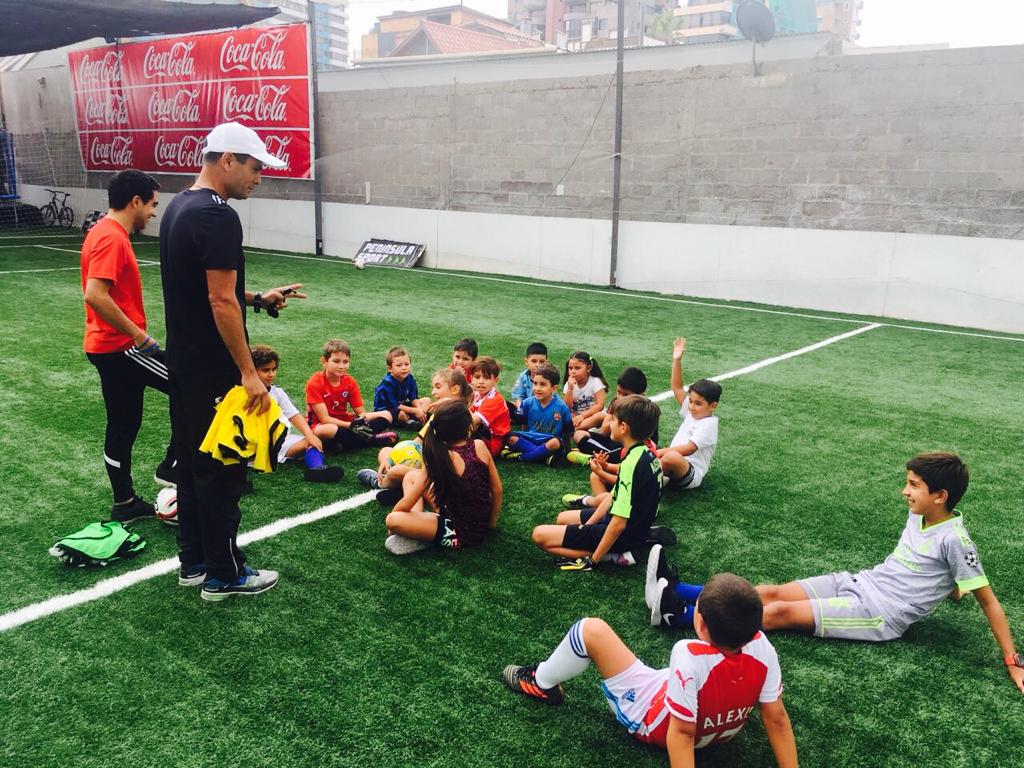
257, 302
1015, 660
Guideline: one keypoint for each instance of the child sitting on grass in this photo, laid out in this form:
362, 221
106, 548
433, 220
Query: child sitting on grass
491, 421
463, 354
536, 356
585, 390
703, 698
934, 558
592, 436
445, 384
461, 482
548, 422
329, 395
687, 459
306, 444
398, 394
623, 520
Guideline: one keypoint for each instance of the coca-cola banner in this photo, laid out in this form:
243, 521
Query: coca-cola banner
149, 105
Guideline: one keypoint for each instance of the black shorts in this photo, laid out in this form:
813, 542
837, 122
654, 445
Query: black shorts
587, 537
682, 482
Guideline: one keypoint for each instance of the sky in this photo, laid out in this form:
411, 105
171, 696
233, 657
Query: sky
961, 23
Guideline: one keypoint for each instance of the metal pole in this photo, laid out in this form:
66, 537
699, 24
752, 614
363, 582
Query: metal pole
318, 209
617, 175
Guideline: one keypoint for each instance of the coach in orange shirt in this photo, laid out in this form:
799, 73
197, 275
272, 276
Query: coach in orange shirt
127, 358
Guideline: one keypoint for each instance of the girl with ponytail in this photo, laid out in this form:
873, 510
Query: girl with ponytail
459, 480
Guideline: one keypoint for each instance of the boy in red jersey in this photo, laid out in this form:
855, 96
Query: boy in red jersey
335, 405
491, 420
706, 694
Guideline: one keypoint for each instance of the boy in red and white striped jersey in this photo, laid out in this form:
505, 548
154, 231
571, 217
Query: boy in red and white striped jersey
706, 694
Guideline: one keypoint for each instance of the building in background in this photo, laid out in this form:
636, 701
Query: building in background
453, 30
579, 25
708, 21
331, 45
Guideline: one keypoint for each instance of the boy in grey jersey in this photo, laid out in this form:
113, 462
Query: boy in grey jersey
934, 557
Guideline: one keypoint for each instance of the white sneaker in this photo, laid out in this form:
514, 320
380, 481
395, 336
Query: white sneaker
623, 559
403, 545
651, 580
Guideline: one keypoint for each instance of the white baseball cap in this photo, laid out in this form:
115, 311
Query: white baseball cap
239, 140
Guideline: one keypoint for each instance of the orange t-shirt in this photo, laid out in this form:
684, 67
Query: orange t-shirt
107, 254
336, 399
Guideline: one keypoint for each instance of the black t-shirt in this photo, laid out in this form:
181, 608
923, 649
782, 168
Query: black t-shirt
199, 231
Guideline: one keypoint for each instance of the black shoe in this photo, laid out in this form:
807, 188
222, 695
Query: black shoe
389, 496
662, 534
667, 608
136, 509
524, 680
323, 474
166, 474
414, 424
361, 429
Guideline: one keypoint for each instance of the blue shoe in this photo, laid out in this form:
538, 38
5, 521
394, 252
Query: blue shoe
251, 582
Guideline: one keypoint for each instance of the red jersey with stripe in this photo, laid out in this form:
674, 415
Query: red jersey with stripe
336, 398
712, 690
494, 414
107, 255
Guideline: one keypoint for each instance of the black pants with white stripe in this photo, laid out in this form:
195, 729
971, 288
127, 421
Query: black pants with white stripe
208, 491
124, 377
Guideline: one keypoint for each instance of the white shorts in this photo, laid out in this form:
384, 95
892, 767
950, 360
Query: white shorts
289, 441
637, 698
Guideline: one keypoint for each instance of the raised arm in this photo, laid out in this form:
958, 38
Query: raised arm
678, 350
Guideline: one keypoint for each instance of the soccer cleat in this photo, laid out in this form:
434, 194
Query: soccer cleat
193, 576
369, 478
323, 474
136, 509
251, 582
553, 459
361, 429
577, 457
573, 501
575, 564
166, 474
403, 545
414, 424
524, 680
662, 534
385, 438
511, 455
666, 607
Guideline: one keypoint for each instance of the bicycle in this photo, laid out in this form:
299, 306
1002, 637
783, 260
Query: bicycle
55, 214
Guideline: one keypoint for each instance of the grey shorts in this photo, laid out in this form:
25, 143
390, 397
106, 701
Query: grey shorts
842, 612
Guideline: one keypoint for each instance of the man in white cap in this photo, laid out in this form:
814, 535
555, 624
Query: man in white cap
203, 270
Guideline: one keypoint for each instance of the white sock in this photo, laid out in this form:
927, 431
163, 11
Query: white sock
585, 501
568, 659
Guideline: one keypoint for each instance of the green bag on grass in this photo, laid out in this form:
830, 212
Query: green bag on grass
98, 544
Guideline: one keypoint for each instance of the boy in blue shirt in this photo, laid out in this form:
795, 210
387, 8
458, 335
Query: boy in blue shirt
536, 356
398, 394
548, 422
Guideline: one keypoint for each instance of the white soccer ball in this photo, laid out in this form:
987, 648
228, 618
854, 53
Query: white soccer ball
360, 263
167, 506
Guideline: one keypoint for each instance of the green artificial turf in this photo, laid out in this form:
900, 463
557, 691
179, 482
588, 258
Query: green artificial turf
359, 658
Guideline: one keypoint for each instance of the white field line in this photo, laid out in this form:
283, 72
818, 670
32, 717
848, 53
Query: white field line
778, 358
644, 297
141, 262
4, 238
107, 587
49, 269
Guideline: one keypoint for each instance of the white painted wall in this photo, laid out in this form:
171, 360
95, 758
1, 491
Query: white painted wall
964, 281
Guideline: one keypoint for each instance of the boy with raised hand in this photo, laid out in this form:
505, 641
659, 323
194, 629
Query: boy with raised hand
687, 459
703, 698
548, 422
934, 558
623, 519
398, 394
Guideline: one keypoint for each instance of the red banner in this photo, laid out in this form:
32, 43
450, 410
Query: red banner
150, 104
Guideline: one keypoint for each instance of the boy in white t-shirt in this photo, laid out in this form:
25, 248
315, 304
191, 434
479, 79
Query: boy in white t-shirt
306, 443
706, 694
687, 459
